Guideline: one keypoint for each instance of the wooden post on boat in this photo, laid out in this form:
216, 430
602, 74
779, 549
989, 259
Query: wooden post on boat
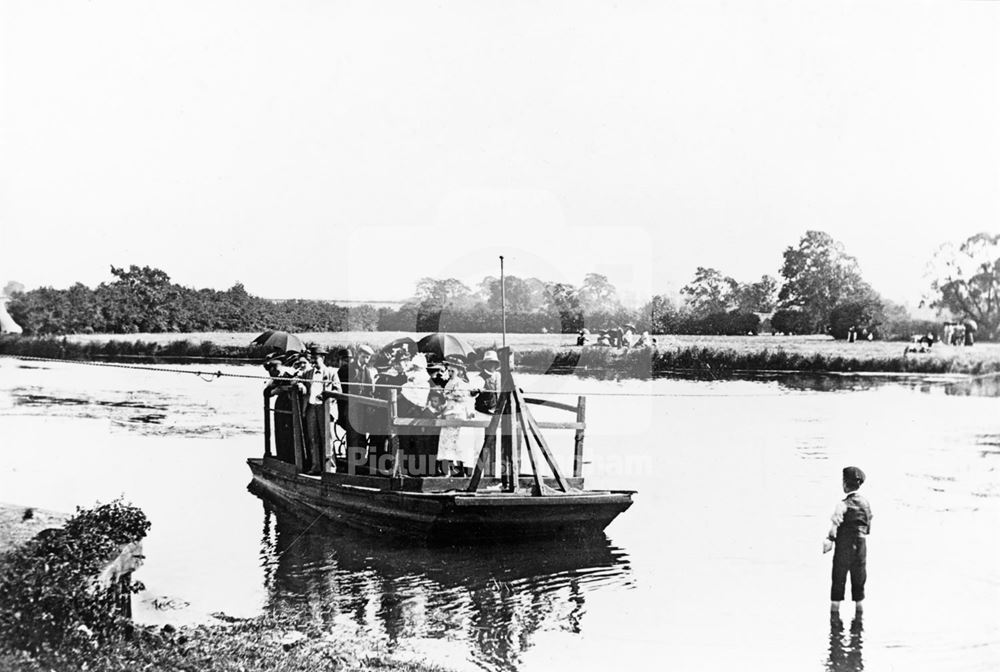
515, 456
581, 418
397, 449
508, 470
489, 444
539, 486
267, 422
327, 436
490, 468
533, 437
297, 433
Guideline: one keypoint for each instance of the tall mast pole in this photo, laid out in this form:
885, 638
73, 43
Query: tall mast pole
503, 304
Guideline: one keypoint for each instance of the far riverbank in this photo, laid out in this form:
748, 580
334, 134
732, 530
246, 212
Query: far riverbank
555, 353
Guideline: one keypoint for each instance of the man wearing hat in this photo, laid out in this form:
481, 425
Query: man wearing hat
357, 378
322, 378
848, 540
488, 382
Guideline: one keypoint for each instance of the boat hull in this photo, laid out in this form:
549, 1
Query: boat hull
447, 515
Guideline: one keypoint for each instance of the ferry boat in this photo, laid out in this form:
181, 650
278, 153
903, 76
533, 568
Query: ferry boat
483, 506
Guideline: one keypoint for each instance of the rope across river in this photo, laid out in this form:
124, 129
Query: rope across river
210, 376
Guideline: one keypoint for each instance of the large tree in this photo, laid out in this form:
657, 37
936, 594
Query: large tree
563, 300
140, 299
522, 295
966, 281
598, 295
710, 292
818, 275
441, 294
757, 297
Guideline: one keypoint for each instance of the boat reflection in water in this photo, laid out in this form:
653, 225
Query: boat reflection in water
488, 600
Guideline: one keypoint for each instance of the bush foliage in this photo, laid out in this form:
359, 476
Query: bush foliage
48, 603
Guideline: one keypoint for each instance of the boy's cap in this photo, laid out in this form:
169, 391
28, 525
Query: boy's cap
854, 475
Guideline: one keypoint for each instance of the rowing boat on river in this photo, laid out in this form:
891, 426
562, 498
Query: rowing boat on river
483, 506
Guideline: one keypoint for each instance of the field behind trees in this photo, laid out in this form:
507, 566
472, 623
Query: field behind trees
812, 353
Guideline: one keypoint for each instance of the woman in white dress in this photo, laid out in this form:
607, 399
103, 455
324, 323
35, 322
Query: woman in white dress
455, 448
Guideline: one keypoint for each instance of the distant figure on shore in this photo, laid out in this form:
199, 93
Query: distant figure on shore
948, 333
851, 523
970, 332
957, 335
920, 343
852, 334
581, 338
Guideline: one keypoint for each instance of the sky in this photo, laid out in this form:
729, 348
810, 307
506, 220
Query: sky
343, 150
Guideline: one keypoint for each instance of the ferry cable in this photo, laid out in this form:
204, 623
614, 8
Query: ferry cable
215, 375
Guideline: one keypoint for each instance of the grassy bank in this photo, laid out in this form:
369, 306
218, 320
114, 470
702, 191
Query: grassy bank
52, 619
555, 353
270, 643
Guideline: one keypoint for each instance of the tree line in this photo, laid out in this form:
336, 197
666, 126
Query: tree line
820, 290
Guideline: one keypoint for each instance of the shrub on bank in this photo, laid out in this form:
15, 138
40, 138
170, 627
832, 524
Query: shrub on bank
52, 347
48, 603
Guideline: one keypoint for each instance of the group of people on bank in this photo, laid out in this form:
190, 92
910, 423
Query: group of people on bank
617, 337
426, 386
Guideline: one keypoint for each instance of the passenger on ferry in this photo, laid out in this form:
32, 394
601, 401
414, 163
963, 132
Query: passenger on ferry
488, 383
455, 444
278, 367
392, 378
322, 379
357, 378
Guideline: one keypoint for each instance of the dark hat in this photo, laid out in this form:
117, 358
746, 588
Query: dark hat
854, 475
455, 360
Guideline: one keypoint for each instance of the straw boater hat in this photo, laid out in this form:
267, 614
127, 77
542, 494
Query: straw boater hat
365, 349
489, 358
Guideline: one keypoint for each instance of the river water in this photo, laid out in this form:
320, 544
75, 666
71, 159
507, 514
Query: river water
717, 566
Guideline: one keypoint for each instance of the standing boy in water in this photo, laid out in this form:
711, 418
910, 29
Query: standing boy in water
851, 524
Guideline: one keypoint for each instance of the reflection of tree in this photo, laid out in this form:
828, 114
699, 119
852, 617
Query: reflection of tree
845, 652
983, 386
494, 598
828, 383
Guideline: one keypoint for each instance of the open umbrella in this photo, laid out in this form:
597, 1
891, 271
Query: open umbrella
404, 342
443, 345
970, 324
279, 340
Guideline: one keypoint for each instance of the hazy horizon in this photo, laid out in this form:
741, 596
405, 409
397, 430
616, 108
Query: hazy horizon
343, 151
